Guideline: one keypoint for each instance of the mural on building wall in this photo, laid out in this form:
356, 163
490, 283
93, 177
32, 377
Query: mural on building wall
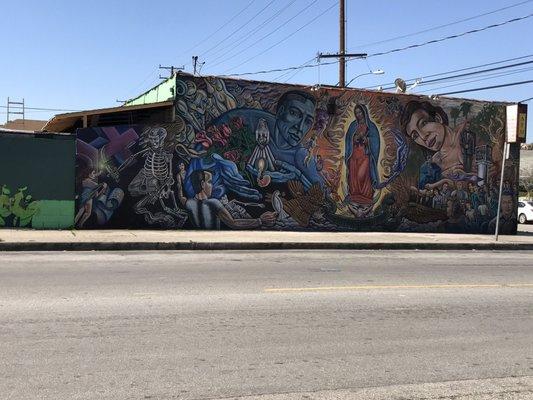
254, 155
18, 209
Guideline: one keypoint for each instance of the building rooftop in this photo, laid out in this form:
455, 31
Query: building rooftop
30, 125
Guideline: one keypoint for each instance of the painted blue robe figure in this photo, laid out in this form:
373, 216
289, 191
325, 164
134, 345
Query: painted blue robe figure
429, 173
294, 118
361, 157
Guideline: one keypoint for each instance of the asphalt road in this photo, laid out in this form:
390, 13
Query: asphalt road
271, 325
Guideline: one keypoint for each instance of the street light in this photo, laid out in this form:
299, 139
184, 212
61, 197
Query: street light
375, 72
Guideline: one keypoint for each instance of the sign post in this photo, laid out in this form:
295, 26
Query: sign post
516, 116
505, 155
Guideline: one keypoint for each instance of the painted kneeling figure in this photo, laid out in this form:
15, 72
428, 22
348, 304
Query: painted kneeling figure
206, 212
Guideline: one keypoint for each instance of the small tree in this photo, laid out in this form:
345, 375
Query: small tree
465, 108
454, 113
526, 181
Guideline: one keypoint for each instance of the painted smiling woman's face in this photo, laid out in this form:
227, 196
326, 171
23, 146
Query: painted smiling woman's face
429, 132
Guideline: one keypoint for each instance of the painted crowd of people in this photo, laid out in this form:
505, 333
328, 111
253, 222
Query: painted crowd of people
223, 164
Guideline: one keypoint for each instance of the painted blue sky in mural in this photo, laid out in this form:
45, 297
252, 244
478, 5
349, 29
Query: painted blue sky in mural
84, 55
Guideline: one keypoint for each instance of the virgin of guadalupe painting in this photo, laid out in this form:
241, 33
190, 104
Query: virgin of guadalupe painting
361, 155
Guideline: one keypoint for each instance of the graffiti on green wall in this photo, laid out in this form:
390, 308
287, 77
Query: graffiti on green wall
17, 210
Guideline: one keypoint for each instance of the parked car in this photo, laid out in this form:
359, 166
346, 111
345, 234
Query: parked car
525, 211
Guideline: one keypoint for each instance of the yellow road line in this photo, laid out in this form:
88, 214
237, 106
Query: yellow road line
379, 287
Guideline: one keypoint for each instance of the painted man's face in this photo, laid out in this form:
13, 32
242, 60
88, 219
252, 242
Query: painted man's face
207, 184
507, 206
426, 131
295, 118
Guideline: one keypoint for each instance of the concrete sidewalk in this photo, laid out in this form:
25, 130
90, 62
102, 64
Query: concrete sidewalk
32, 240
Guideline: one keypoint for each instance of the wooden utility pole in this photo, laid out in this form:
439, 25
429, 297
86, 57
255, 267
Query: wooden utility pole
342, 46
341, 55
172, 69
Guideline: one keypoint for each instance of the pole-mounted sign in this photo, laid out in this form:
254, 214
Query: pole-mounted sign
516, 123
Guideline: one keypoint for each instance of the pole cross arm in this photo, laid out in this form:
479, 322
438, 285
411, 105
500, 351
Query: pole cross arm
339, 55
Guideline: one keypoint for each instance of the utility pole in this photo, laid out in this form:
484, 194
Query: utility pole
195, 65
172, 70
342, 45
341, 55
342, 60
18, 106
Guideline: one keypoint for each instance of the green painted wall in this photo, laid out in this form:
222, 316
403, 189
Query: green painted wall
37, 180
54, 214
162, 92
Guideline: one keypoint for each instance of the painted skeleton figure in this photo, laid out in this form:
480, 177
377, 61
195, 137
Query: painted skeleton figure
154, 181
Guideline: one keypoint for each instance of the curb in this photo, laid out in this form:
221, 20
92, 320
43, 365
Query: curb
143, 246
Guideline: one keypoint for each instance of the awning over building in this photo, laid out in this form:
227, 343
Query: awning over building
123, 115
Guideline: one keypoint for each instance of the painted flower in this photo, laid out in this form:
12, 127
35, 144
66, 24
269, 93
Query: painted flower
233, 155
203, 139
211, 130
221, 136
321, 120
225, 130
237, 123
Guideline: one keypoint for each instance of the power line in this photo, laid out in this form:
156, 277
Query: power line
441, 26
452, 77
285, 38
268, 71
142, 83
526, 100
275, 30
456, 70
459, 78
148, 87
249, 34
465, 81
238, 29
292, 75
30, 112
450, 37
390, 51
41, 109
487, 88
296, 72
220, 28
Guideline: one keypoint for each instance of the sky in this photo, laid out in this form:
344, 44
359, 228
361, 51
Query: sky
77, 55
